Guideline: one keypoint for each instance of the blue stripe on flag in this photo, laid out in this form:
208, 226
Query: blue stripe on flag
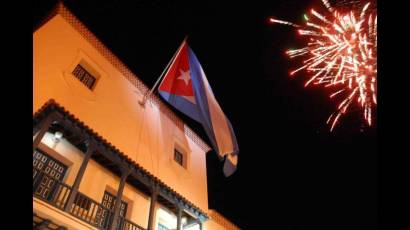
200, 96
182, 104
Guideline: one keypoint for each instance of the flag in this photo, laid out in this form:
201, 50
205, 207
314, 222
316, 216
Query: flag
186, 87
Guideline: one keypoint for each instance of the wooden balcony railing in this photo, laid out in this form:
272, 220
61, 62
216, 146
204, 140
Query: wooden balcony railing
40, 223
84, 208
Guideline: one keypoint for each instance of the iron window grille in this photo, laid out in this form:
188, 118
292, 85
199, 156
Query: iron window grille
179, 157
84, 76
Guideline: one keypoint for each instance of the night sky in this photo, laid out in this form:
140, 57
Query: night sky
292, 173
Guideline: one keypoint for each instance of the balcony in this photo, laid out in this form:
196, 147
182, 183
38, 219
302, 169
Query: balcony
84, 208
43, 224
66, 199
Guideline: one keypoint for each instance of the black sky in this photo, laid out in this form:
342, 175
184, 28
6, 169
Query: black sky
292, 173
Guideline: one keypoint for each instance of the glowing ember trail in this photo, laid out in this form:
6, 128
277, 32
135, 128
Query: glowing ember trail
341, 54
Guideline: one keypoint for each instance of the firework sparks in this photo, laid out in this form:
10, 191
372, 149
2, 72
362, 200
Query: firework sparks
341, 54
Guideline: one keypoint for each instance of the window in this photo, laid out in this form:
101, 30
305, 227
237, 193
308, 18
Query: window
108, 202
84, 76
162, 227
47, 171
178, 157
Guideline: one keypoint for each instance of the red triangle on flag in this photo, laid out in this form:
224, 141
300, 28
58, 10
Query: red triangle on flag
177, 80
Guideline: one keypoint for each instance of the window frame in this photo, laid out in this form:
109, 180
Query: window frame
93, 67
179, 154
184, 150
84, 75
50, 167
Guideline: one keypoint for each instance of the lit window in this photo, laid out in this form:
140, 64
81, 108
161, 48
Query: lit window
84, 76
162, 227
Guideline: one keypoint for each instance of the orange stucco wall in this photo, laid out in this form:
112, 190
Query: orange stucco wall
111, 109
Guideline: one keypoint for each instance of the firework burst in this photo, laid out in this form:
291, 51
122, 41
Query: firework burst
341, 53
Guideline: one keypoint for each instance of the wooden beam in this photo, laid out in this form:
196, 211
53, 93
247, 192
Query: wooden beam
79, 177
191, 223
179, 217
154, 196
44, 126
43, 225
114, 223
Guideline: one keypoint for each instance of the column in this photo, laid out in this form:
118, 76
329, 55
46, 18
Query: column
179, 216
200, 225
154, 196
124, 175
44, 126
79, 177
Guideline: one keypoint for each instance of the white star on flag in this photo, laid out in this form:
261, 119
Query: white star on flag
184, 76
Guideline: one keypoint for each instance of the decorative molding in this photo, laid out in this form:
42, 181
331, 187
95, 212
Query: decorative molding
218, 218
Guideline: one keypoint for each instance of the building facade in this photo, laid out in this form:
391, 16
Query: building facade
101, 160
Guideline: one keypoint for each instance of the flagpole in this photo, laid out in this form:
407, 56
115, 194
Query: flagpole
148, 93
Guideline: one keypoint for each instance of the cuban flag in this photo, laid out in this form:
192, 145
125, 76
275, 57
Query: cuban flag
185, 87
